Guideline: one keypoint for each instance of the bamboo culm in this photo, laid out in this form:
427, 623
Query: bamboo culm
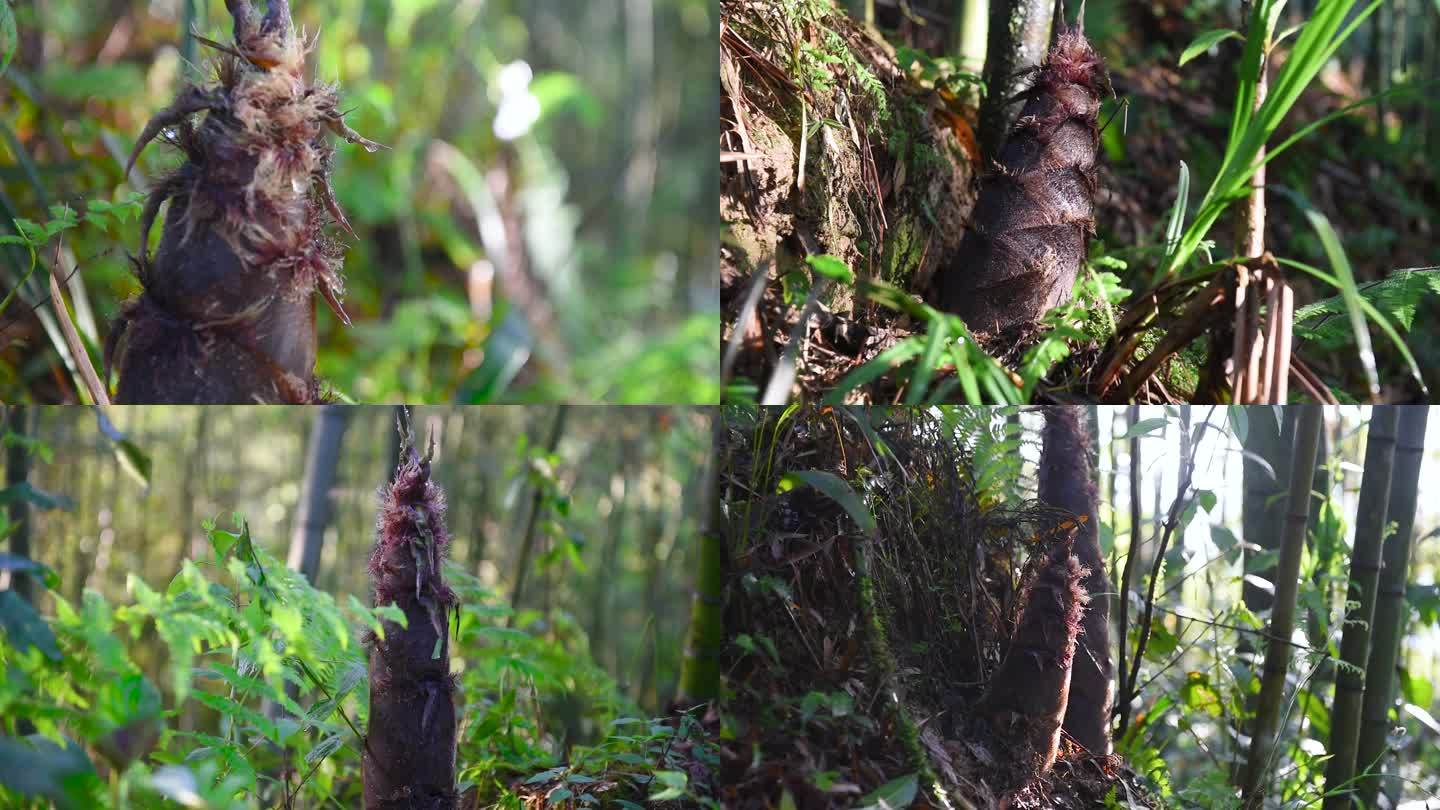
1390, 609
1371, 517
1282, 615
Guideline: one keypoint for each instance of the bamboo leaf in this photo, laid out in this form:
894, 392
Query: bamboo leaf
1349, 292
1144, 427
893, 795
1206, 41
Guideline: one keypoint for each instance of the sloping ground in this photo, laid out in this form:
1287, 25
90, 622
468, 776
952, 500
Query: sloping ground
881, 178
887, 184
854, 666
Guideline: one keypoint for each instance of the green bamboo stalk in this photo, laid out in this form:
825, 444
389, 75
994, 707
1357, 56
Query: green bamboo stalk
1390, 603
1364, 579
700, 672
1282, 615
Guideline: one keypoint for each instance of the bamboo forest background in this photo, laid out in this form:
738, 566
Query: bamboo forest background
1213, 586
612, 494
586, 129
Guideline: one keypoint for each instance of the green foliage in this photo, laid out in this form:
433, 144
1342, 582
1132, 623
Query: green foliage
1251, 128
829, 64
1396, 298
265, 694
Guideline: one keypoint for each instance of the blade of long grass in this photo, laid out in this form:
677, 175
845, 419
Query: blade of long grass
1341, 113
1373, 314
920, 377
965, 374
1349, 292
1317, 42
877, 367
1176, 225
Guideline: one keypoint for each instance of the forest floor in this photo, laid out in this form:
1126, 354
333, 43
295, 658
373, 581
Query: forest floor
863, 661
883, 181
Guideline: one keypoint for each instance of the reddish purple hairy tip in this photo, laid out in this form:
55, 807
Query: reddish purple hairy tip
1074, 61
408, 503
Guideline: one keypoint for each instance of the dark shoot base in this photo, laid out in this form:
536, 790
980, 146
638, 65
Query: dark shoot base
227, 312
1032, 223
1066, 482
409, 758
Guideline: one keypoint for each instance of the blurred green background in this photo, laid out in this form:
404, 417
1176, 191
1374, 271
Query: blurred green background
609, 174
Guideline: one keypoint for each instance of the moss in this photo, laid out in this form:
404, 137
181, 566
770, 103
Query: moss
878, 646
904, 249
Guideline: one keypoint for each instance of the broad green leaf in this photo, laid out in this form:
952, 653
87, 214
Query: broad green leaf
1263, 561
673, 785
1239, 422
1417, 689
1144, 427
14, 562
837, 490
1163, 643
36, 766
25, 491
893, 795
831, 267
24, 628
1206, 499
1200, 695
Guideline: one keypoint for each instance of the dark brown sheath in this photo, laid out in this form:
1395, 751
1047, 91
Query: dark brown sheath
1066, 482
1028, 693
227, 312
1035, 212
409, 756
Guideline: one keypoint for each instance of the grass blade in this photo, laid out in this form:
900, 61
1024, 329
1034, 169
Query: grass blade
920, 377
877, 367
1373, 314
1349, 292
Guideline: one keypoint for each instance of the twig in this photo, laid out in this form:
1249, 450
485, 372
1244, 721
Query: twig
1172, 520
742, 323
1123, 703
96, 389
